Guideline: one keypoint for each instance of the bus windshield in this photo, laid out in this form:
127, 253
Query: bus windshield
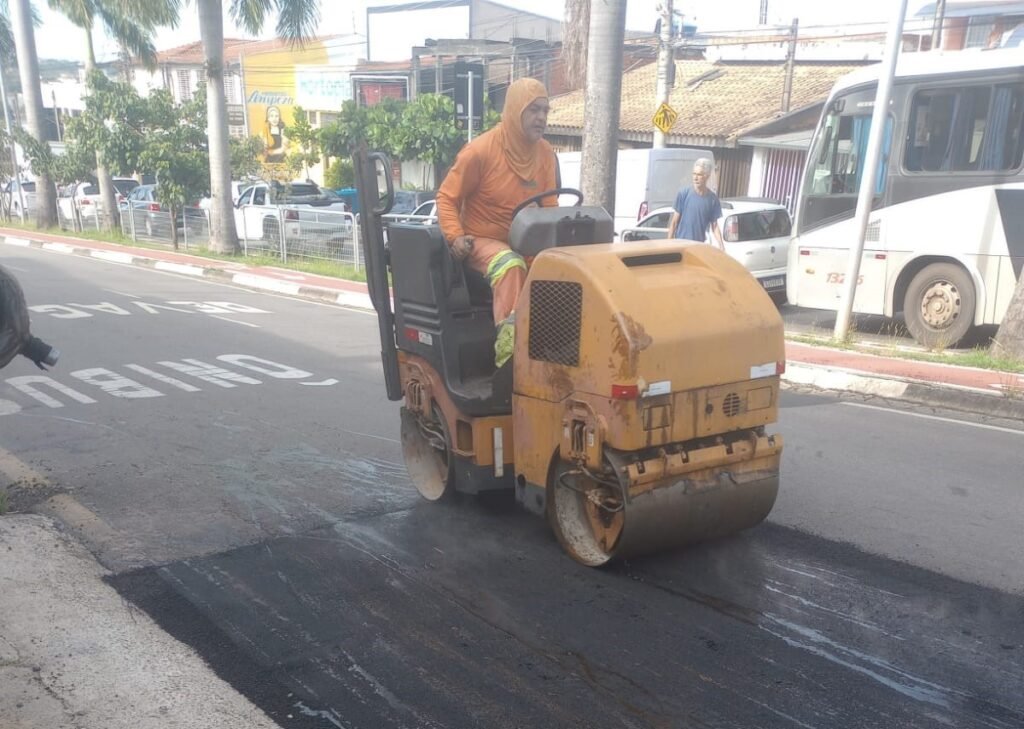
839, 155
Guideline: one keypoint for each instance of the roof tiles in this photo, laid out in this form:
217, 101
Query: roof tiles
714, 100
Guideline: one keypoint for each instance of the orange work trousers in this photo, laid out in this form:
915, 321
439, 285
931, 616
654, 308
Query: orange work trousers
507, 285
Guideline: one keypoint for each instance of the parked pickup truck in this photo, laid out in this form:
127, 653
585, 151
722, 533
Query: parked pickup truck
308, 213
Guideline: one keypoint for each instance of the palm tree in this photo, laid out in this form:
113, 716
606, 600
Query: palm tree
1010, 337
21, 18
297, 19
576, 32
132, 25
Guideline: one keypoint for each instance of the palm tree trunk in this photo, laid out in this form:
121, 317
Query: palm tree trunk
107, 198
603, 102
28, 66
223, 237
1010, 337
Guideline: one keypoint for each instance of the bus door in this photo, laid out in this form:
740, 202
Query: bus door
826, 228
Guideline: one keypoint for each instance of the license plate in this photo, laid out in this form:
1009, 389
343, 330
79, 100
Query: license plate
771, 284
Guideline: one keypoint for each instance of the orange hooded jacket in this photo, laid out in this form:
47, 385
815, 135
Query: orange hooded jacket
497, 171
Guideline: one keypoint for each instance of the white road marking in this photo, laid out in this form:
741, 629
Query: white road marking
954, 421
232, 321
13, 241
122, 293
325, 383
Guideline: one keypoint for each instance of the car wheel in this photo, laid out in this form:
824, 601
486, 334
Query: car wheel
939, 305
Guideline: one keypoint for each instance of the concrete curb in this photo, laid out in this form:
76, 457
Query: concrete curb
951, 397
816, 377
247, 280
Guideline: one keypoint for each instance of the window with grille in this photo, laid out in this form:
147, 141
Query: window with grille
184, 85
231, 89
556, 310
978, 32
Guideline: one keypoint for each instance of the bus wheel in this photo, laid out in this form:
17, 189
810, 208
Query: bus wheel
939, 305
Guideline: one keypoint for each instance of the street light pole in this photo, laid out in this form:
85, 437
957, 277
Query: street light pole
870, 173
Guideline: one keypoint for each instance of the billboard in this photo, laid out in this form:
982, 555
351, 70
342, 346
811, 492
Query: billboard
314, 76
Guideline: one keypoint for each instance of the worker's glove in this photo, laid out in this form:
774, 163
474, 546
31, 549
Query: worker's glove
461, 246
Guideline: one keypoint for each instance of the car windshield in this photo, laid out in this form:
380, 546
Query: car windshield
405, 202
297, 190
761, 224
90, 190
125, 186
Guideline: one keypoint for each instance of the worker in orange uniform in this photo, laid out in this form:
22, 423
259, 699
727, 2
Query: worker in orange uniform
491, 176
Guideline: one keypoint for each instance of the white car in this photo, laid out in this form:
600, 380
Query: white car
756, 233
307, 211
85, 195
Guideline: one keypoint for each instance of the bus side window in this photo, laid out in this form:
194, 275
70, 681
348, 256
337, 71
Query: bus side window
965, 129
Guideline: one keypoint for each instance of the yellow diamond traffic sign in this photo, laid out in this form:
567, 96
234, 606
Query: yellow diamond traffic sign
665, 117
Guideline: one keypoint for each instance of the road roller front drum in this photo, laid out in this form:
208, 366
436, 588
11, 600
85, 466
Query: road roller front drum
601, 516
587, 512
427, 448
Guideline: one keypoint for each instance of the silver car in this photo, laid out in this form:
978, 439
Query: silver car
756, 233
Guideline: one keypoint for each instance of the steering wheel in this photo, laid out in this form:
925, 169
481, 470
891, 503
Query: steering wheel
557, 191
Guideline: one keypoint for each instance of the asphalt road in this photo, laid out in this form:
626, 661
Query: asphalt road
232, 457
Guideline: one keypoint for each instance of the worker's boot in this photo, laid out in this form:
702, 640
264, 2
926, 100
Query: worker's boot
505, 342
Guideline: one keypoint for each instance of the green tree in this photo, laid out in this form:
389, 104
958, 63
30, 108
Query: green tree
339, 174
111, 126
304, 141
176, 150
296, 19
132, 25
247, 156
382, 123
427, 132
341, 137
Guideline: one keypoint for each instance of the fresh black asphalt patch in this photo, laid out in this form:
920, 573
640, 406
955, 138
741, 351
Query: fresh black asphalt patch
454, 616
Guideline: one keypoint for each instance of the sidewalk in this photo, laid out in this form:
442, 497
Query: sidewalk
988, 392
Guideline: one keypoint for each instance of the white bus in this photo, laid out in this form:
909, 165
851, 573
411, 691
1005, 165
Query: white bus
945, 239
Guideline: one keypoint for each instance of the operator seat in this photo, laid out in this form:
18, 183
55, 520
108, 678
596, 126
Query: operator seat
443, 308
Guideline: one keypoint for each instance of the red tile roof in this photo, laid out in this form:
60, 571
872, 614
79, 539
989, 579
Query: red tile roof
716, 102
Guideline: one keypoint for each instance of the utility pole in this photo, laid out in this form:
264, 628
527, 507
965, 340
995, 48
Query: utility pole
603, 102
940, 17
787, 89
869, 176
666, 66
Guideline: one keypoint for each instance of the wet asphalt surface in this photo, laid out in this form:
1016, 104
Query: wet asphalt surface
271, 526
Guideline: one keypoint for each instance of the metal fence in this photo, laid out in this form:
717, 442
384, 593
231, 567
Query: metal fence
77, 217
142, 221
298, 234
285, 233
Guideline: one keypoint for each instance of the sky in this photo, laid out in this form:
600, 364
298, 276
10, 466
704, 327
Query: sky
57, 38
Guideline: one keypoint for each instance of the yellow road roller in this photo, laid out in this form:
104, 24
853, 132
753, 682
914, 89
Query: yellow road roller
633, 412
